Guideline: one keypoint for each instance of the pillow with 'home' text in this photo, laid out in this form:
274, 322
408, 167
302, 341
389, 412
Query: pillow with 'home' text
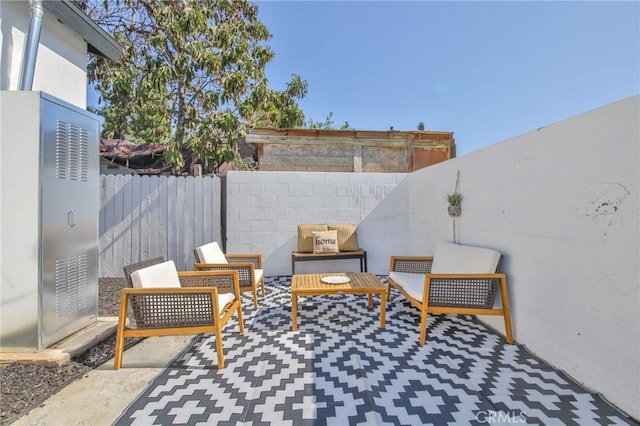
325, 242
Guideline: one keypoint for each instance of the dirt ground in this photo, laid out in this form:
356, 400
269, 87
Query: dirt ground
24, 386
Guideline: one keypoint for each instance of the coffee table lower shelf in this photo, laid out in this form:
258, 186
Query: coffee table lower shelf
360, 283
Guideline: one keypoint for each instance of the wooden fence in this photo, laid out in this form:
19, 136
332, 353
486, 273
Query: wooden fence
147, 216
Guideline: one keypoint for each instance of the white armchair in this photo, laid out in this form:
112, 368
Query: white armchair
457, 279
166, 302
210, 257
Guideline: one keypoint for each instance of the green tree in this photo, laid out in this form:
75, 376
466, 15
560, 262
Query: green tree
192, 75
421, 126
327, 124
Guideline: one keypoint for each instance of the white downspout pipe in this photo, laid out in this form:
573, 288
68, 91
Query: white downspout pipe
31, 45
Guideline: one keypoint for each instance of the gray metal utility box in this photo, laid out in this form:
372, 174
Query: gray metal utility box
49, 187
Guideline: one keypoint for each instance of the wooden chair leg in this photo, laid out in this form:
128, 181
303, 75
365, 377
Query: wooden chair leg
240, 318
263, 292
255, 297
506, 311
424, 309
219, 346
117, 359
122, 319
507, 327
423, 327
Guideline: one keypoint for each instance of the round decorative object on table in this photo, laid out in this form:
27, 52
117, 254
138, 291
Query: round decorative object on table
334, 279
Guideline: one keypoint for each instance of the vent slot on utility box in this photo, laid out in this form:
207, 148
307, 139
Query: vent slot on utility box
72, 152
71, 285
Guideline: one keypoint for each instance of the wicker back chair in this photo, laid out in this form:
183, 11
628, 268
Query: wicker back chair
454, 292
248, 266
204, 303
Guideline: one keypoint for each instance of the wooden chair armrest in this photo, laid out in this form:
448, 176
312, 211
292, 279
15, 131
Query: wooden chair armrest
411, 264
245, 271
254, 258
169, 290
226, 281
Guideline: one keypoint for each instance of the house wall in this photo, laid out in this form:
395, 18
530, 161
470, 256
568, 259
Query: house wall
62, 55
560, 202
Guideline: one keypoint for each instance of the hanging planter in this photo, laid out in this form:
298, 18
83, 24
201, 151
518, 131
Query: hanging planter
455, 201
455, 205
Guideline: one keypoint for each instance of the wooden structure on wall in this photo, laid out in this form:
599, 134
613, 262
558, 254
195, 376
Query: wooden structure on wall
314, 150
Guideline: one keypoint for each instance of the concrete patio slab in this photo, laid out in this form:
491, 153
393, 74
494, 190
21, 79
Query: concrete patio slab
63, 351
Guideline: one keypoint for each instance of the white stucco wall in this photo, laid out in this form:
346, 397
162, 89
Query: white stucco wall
561, 203
62, 55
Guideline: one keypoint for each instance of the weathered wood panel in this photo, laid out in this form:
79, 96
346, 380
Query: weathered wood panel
146, 216
349, 151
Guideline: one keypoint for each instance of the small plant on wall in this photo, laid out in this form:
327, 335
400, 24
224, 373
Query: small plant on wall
455, 204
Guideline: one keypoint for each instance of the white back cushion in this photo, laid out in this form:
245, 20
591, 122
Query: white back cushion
162, 275
458, 259
211, 253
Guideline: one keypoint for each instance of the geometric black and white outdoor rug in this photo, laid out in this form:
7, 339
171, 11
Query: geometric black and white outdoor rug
340, 368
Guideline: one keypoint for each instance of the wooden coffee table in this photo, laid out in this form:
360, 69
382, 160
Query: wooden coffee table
360, 283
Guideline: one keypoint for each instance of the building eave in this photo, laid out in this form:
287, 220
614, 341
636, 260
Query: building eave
98, 40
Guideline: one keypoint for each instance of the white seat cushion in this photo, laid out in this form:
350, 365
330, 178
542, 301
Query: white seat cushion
211, 253
413, 284
257, 275
458, 259
224, 299
162, 275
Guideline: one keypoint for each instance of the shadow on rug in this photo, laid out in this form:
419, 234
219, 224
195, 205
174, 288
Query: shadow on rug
340, 368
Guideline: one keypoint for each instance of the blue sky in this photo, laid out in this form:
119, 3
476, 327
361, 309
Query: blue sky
486, 71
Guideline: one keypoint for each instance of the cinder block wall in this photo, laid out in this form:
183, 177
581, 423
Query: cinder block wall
264, 210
